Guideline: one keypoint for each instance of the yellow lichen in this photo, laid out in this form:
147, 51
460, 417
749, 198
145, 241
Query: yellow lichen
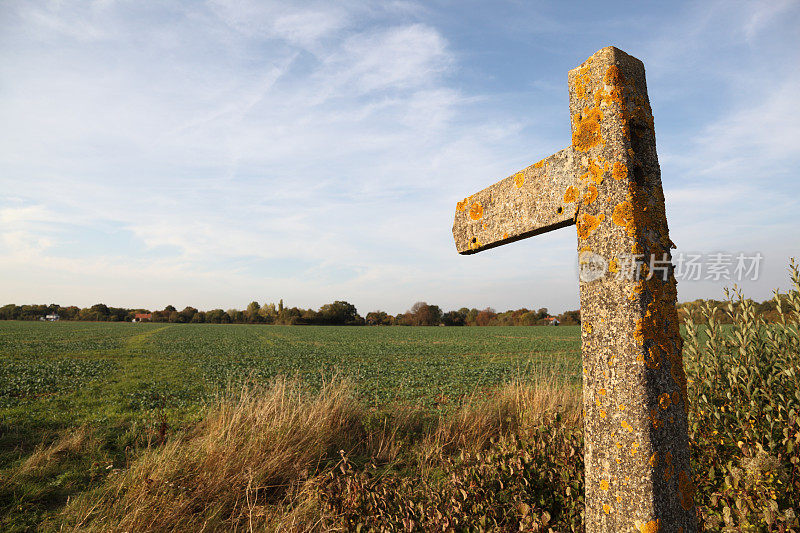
613, 266
653, 360
604, 484
476, 211
634, 448
588, 223
627, 426
654, 459
669, 469
540, 164
614, 76
619, 171
582, 80
623, 215
596, 171
607, 508
653, 416
570, 195
638, 333
505, 235
519, 179
614, 83
686, 491
650, 527
591, 195
586, 131
664, 400
460, 206
602, 413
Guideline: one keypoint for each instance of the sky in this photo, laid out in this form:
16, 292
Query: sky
215, 153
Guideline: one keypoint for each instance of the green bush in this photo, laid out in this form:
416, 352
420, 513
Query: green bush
744, 389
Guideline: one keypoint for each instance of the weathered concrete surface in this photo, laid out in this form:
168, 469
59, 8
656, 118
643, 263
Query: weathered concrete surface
524, 204
635, 403
634, 387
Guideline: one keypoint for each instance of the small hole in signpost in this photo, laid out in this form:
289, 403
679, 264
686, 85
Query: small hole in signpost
474, 239
559, 210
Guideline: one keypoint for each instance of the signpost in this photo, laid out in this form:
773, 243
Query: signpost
608, 183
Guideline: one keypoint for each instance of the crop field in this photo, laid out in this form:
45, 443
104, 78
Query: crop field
68, 373
122, 379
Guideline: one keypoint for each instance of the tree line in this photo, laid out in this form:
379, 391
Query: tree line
341, 313
336, 313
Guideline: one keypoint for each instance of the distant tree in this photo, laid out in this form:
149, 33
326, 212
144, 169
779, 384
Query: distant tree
217, 316
338, 312
187, 314
531, 318
69, 313
10, 312
485, 317
422, 314
503, 319
454, 318
379, 318
252, 312
268, 313
100, 311
309, 316
568, 318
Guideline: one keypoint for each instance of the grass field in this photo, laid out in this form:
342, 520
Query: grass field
108, 369
130, 378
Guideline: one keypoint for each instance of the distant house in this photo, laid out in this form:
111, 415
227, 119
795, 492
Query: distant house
141, 317
50, 318
552, 321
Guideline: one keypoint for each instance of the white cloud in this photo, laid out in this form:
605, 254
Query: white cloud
761, 128
761, 13
309, 151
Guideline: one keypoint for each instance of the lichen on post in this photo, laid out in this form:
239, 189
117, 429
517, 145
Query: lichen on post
637, 454
608, 183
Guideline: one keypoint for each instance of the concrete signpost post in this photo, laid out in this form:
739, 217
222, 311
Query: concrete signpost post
608, 183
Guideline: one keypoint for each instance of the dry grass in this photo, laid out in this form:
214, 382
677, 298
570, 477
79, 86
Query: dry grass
71, 443
514, 408
251, 463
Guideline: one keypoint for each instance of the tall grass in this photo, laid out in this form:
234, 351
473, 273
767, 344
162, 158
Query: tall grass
262, 458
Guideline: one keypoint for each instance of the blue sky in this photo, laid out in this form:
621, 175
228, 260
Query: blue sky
210, 154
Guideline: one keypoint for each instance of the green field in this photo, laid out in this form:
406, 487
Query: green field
122, 379
63, 374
